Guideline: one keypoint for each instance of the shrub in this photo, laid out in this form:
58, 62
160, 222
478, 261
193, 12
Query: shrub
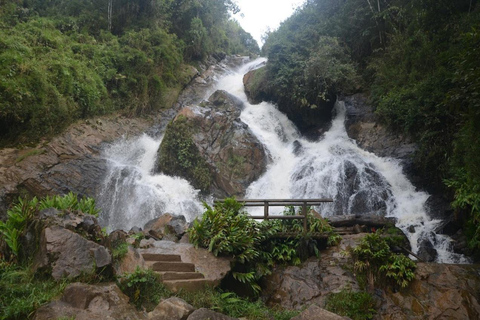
144, 288
374, 263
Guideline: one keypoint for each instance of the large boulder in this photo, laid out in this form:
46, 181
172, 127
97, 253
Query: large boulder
130, 262
440, 291
211, 147
64, 253
90, 302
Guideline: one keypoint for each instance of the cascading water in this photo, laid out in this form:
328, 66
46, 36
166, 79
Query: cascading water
334, 166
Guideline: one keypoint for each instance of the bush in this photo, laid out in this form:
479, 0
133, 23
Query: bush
144, 288
376, 264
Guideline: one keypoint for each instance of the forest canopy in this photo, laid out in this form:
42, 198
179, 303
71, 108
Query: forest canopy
62, 60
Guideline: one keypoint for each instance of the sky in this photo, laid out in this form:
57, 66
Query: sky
256, 16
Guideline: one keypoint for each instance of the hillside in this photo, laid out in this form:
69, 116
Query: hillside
65, 60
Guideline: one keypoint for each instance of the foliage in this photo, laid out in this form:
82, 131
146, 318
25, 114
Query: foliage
179, 154
144, 288
21, 292
226, 230
376, 264
355, 305
119, 251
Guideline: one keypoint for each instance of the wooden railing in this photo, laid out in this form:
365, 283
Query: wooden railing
266, 203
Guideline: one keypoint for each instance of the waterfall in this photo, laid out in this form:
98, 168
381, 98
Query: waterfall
334, 167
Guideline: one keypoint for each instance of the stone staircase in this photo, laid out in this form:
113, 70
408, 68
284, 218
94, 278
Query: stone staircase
175, 274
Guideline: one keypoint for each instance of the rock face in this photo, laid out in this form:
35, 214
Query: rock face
69, 254
363, 126
69, 162
439, 292
311, 282
216, 151
90, 302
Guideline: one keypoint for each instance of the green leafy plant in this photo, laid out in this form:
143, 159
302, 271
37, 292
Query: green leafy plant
375, 264
143, 287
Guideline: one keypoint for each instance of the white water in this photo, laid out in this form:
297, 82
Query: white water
334, 166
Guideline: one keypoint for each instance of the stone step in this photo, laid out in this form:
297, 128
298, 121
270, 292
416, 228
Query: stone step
161, 257
173, 266
188, 285
180, 275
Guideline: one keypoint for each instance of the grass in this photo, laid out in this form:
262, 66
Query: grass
356, 305
21, 293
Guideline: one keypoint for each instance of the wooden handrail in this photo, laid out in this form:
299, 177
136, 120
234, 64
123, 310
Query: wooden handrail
266, 203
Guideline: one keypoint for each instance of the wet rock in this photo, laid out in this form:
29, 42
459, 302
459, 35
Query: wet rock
439, 291
203, 314
90, 302
224, 155
316, 313
171, 309
426, 251
64, 253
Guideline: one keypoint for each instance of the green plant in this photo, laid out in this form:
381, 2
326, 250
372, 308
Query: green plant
144, 288
355, 305
375, 263
120, 251
70, 202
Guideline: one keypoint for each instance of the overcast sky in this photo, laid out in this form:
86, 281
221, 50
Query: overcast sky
259, 15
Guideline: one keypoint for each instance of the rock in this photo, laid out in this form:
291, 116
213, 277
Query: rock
224, 156
157, 225
426, 251
67, 254
316, 313
204, 314
177, 226
439, 291
213, 268
130, 262
90, 302
171, 309
310, 283
256, 88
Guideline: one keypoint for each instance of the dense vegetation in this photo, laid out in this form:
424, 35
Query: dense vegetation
227, 230
62, 60
417, 61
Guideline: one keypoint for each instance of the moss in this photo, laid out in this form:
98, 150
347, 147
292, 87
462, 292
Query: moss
179, 156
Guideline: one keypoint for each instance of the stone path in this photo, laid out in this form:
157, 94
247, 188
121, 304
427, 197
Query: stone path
175, 274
